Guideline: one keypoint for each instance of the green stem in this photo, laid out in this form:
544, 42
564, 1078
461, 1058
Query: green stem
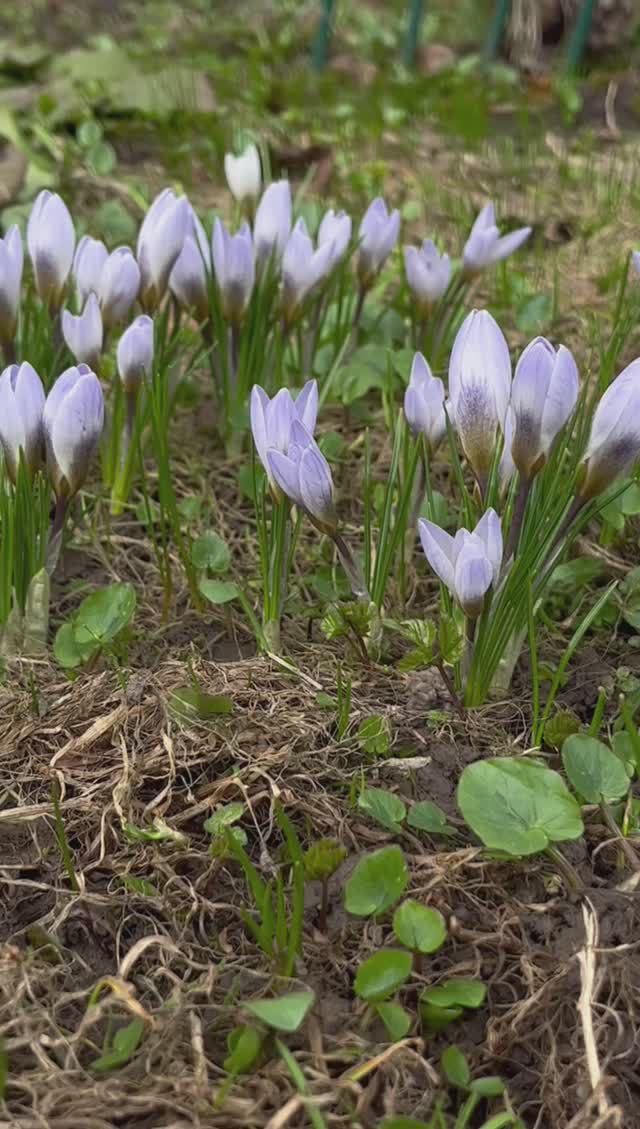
569, 873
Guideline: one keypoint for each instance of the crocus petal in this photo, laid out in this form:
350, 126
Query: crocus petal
306, 404
284, 471
316, 487
485, 246
273, 221
83, 334
437, 546
118, 286
258, 405
243, 173
135, 353
51, 242
11, 263
21, 408
635, 261
480, 386
614, 442
88, 265
73, 421
562, 396
489, 530
473, 578
280, 415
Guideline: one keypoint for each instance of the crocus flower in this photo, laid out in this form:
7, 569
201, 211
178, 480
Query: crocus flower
335, 228
428, 274
235, 269
11, 262
304, 475
83, 334
73, 419
302, 268
271, 420
467, 564
51, 241
424, 403
21, 407
118, 286
273, 221
189, 278
635, 261
614, 442
160, 241
543, 396
485, 246
88, 262
135, 354
479, 387
243, 174
379, 231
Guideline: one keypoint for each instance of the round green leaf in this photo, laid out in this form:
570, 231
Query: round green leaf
219, 591
386, 808
517, 806
456, 1068
396, 1020
104, 614
457, 992
421, 929
224, 817
210, 552
66, 650
382, 974
426, 816
594, 771
379, 879
284, 1014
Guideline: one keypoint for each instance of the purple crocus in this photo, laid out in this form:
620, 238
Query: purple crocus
51, 241
424, 403
304, 476
273, 221
379, 231
189, 281
21, 407
485, 246
73, 419
234, 268
335, 228
479, 387
160, 241
243, 173
614, 442
428, 274
271, 420
543, 397
83, 333
118, 286
135, 354
11, 262
467, 564
303, 268
88, 262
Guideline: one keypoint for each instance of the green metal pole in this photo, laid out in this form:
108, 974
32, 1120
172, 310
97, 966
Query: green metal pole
416, 14
322, 40
497, 29
580, 36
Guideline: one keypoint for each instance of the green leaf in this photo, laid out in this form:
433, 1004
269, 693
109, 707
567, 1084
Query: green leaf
125, 1044
283, 1014
379, 879
457, 992
219, 591
396, 1020
455, 1068
189, 703
210, 551
579, 573
224, 817
421, 929
373, 735
426, 816
489, 1087
244, 1044
98, 620
594, 771
436, 1018
386, 808
102, 159
517, 806
140, 886
382, 974
450, 639
89, 133
65, 649
534, 314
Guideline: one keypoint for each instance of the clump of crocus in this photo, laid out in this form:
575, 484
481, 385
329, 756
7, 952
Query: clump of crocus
424, 404
485, 246
189, 280
83, 333
467, 564
543, 396
11, 263
303, 268
479, 388
234, 269
244, 175
272, 224
271, 420
160, 241
614, 441
428, 275
379, 231
51, 241
21, 429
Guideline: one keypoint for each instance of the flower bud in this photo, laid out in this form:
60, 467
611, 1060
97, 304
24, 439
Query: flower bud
21, 407
83, 334
118, 286
302, 268
424, 403
160, 241
11, 261
243, 174
479, 387
189, 280
135, 354
73, 419
234, 268
467, 564
614, 442
271, 420
88, 262
428, 274
304, 475
543, 397
273, 221
51, 241
379, 231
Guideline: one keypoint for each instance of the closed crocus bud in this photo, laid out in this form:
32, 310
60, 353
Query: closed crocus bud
379, 233
485, 246
273, 221
83, 334
424, 403
234, 268
335, 228
73, 419
189, 281
614, 442
479, 387
135, 354
243, 174
160, 241
428, 274
543, 396
271, 420
11, 261
88, 262
467, 564
51, 241
21, 407
635, 261
304, 475
302, 269
118, 286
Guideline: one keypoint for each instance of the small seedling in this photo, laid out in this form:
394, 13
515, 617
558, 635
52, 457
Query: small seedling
321, 861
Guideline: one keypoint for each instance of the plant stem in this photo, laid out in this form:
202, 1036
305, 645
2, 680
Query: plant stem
451, 690
55, 534
625, 846
351, 567
569, 872
517, 518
